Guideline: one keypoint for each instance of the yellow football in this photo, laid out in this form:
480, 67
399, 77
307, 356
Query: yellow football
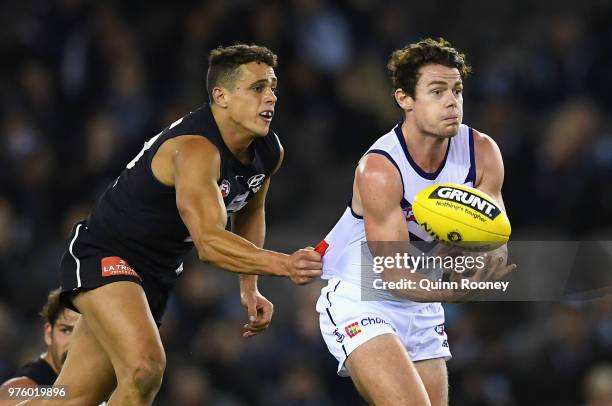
461, 215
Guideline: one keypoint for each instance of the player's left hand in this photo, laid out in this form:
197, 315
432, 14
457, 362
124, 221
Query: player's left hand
259, 310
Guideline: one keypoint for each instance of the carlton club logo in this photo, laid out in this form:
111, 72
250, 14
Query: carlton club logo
116, 266
353, 329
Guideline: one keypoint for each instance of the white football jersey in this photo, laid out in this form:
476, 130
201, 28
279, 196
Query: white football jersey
342, 258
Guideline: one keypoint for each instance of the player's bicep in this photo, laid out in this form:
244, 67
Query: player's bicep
198, 198
380, 191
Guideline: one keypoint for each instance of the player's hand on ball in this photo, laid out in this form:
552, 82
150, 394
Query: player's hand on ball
495, 268
304, 265
259, 310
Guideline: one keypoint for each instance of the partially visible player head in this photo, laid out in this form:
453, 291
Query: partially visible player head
241, 80
59, 324
427, 81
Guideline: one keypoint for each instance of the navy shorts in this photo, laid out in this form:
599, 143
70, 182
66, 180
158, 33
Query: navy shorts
88, 264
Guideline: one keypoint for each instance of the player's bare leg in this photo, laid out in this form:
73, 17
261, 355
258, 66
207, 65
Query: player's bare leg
120, 324
435, 378
119, 317
383, 373
87, 374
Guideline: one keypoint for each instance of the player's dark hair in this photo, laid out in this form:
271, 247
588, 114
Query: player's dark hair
223, 63
53, 308
405, 63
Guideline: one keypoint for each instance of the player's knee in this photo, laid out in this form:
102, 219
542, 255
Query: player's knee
146, 374
147, 379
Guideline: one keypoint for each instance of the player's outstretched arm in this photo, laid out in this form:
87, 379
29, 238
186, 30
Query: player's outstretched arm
250, 223
196, 167
379, 189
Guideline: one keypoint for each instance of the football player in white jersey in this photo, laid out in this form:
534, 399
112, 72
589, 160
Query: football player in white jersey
396, 351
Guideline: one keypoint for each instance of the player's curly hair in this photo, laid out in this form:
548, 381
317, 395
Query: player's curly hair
223, 63
405, 63
53, 308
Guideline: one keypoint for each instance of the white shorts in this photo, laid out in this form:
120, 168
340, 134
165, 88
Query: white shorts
347, 322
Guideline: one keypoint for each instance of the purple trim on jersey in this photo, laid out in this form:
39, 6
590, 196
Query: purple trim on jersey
417, 168
357, 216
328, 292
330, 316
471, 176
390, 158
404, 203
414, 237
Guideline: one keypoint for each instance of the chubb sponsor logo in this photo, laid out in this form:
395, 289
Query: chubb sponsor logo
468, 199
368, 321
355, 327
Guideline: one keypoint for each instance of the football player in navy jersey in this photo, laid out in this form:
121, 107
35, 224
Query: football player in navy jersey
59, 323
122, 261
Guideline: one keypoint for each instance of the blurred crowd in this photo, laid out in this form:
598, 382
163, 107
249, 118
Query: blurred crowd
86, 83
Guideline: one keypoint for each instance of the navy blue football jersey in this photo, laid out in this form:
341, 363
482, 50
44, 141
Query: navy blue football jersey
39, 371
137, 216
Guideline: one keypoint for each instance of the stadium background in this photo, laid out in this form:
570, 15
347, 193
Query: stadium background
85, 83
